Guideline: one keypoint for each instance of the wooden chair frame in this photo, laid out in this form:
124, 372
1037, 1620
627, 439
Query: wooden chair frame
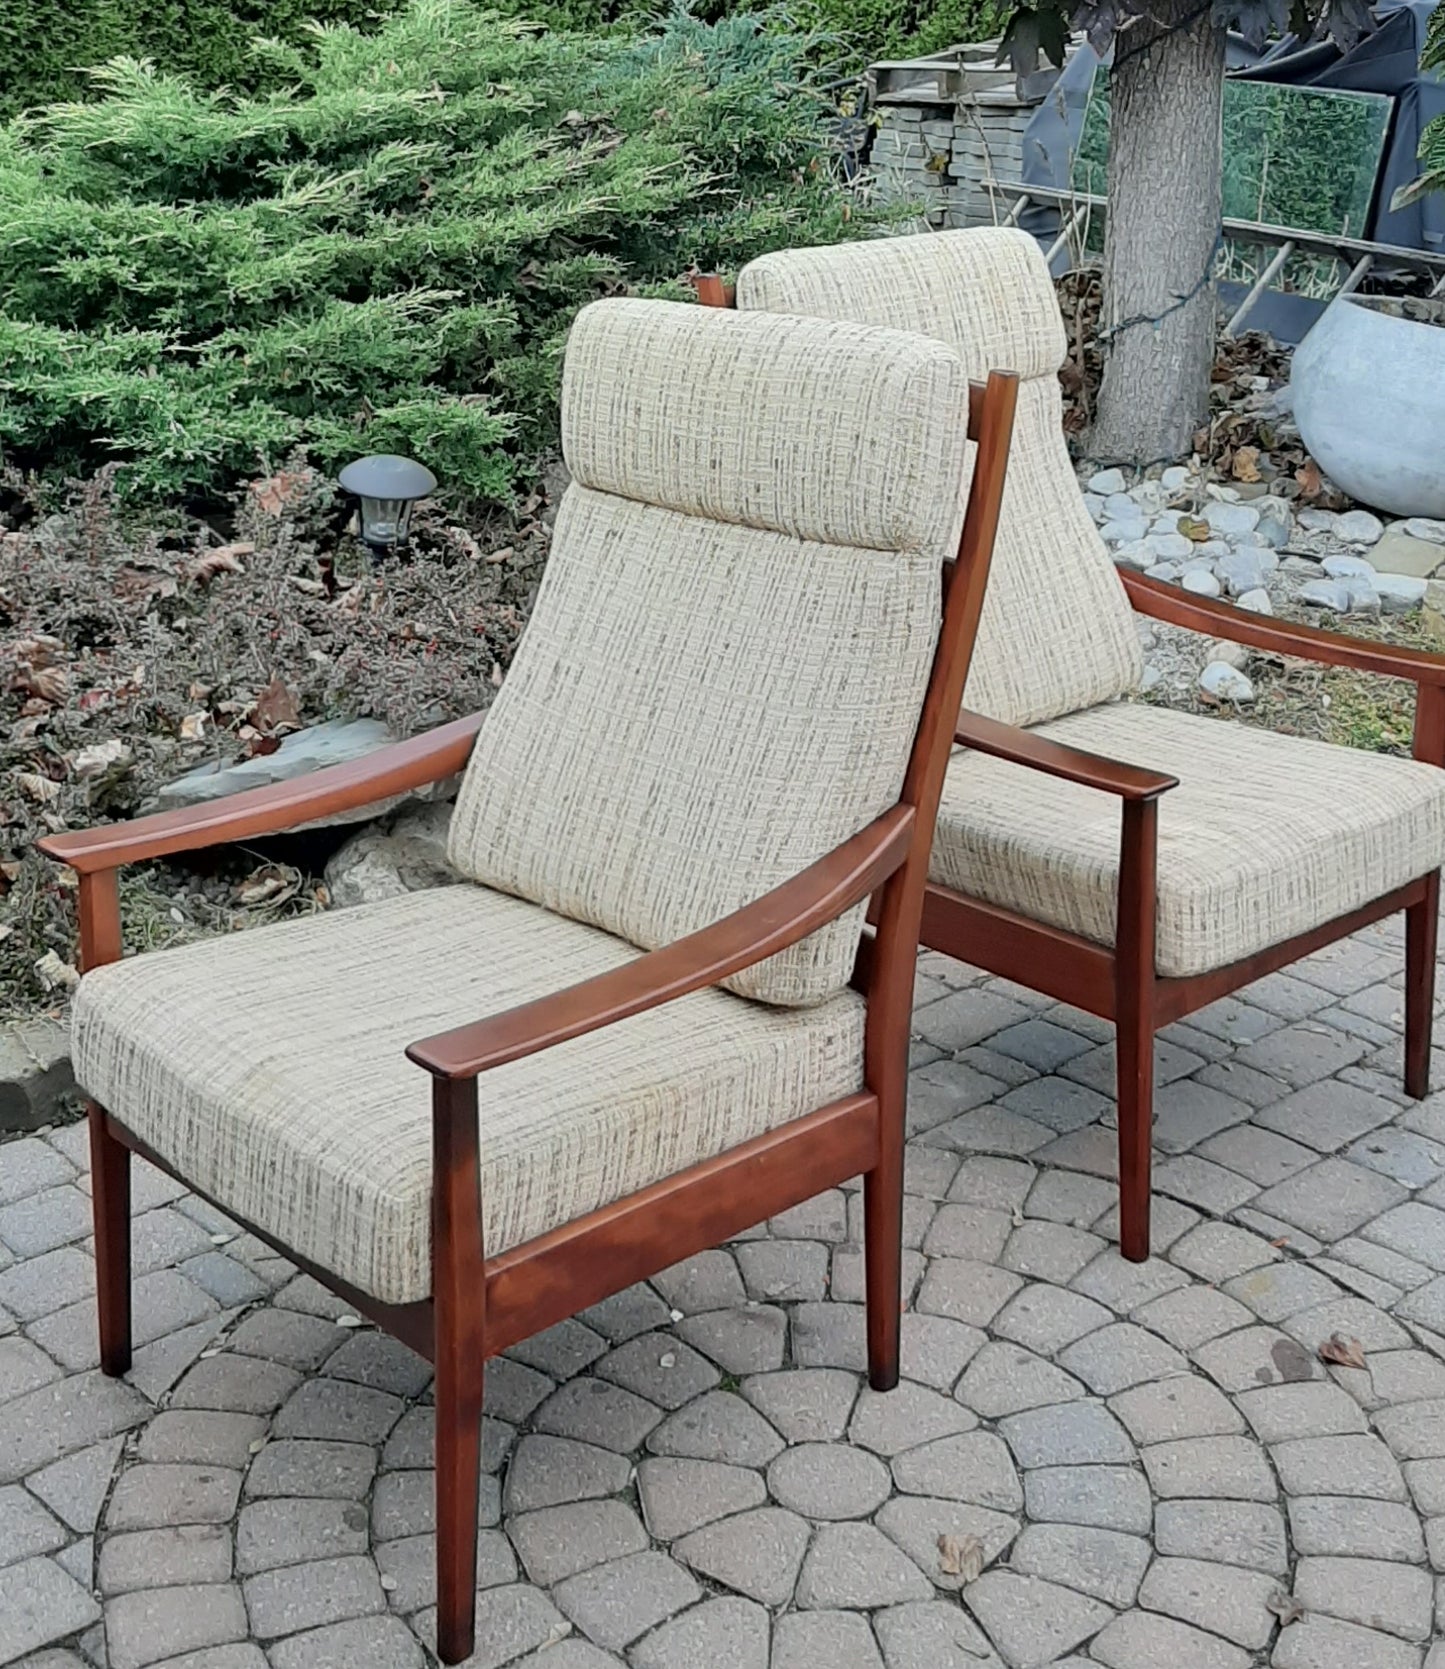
1120, 982
479, 1305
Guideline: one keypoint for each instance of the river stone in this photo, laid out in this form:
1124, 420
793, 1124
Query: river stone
1330, 594
1231, 520
1316, 521
1231, 654
1273, 531
1119, 507
1222, 682
1163, 571
1255, 602
1240, 571
408, 854
1122, 533
1094, 505
1348, 568
1400, 592
333, 743
1138, 553
1358, 527
1107, 481
1172, 546
1400, 553
1201, 582
1422, 527
1364, 599
1176, 478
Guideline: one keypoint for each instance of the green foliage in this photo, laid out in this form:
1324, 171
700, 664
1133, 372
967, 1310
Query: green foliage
384, 255
1432, 141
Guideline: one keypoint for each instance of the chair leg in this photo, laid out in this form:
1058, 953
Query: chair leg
458, 1478
110, 1204
1135, 1046
1134, 972
883, 1251
1421, 930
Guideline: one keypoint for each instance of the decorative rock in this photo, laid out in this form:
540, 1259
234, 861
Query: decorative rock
332, 743
1201, 582
1273, 530
1120, 507
1222, 649
1398, 553
1364, 599
1172, 546
1422, 527
1094, 504
1122, 532
1348, 568
1168, 571
406, 855
1138, 553
1240, 571
1176, 478
1256, 602
1225, 683
1316, 521
1328, 594
1399, 593
1150, 679
1107, 481
1358, 527
1231, 520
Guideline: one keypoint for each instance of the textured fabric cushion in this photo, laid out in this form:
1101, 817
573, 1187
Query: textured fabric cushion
1266, 836
722, 677
267, 1068
1057, 632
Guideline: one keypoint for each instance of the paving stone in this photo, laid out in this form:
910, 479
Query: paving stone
1066, 1434
1209, 1468
942, 1093
1004, 1379
991, 1130
708, 1281
31, 1166
1168, 1220
408, 1568
201, 1438
1426, 1305
1257, 1356
313, 1595
829, 1481
636, 1309
1302, 1053
1280, 1412
615, 1603
558, 1542
717, 1426
573, 1653
1126, 1287
1069, 1197
1414, 1160
1050, 1251
1119, 1356
975, 1466
512, 1390
973, 1232
23, 1367
1349, 1526
812, 1639
1327, 1116
1138, 1640
1395, 1598
1224, 1533
164, 1302
1170, 1409
26, 1529
722, 1631
1222, 1598
1040, 1044
39, 1286
236, 1384
164, 1623
1395, 1376
1353, 1317
1216, 1252
333, 1471
165, 1557
757, 1553
807, 1405
888, 1422
157, 1366
1323, 1643
367, 1643
228, 1281
998, 1183
1046, 1318
403, 1504
270, 1534
592, 1411
824, 1217
1339, 1466
1331, 1199
41, 1222
935, 1350
967, 1017
784, 1271
288, 1337
1426, 1479
511, 1621
1282, 1290
1261, 1155
1415, 1230
75, 1488
1030, 1621
1060, 1104
1110, 1497
552, 1471
147, 1496
561, 1351
1101, 1563
59, 1419
849, 1277
385, 1364
334, 1409
855, 1566
678, 1496
1200, 1182
752, 1339
1380, 1261
920, 1524
964, 1291
930, 1634
637, 1366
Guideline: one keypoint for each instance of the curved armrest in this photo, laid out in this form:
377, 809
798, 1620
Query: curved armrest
1281, 637
430, 757
1056, 759
822, 892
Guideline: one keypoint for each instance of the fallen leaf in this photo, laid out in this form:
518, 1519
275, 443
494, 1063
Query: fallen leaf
193, 727
1344, 1352
278, 492
50, 683
99, 758
275, 710
961, 1556
225, 559
1285, 1606
1311, 481
1246, 464
38, 787
1195, 528
56, 975
271, 884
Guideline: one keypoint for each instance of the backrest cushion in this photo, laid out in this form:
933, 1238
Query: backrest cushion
1057, 633
724, 669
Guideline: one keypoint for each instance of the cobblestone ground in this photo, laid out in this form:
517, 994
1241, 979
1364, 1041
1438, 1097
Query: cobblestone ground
1152, 1465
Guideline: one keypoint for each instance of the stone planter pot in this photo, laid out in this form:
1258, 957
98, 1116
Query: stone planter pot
1369, 398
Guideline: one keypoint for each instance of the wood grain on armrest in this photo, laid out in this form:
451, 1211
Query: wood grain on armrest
430, 757
1281, 637
780, 918
1056, 759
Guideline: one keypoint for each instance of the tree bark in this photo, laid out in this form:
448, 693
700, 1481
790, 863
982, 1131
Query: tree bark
1158, 320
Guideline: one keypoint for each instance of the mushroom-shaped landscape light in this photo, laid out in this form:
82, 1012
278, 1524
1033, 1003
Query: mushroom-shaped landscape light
387, 486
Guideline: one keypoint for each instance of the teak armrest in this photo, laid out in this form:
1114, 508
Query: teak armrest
1056, 759
790, 912
430, 757
1281, 637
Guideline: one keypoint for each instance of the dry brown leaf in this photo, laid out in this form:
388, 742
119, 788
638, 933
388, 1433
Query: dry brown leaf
275, 710
1246, 464
98, 758
56, 975
225, 559
50, 683
1195, 528
1285, 1606
961, 1556
193, 727
1342, 1351
271, 884
1311, 482
278, 492
37, 787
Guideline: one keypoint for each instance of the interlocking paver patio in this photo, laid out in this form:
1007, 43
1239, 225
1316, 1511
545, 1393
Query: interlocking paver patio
693, 1474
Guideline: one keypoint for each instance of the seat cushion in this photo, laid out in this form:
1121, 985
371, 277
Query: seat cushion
267, 1069
722, 677
1265, 837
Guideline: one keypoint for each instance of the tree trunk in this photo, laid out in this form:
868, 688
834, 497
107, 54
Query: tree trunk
1158, 321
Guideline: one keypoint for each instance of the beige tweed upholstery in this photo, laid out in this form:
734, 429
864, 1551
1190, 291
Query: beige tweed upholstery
1266, 836
1057, 633
722, 677
267, 1068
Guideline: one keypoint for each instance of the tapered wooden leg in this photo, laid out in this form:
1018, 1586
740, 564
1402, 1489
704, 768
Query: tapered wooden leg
883, 1252
1134, 953
1421, 930
110, 1204
459, 1297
